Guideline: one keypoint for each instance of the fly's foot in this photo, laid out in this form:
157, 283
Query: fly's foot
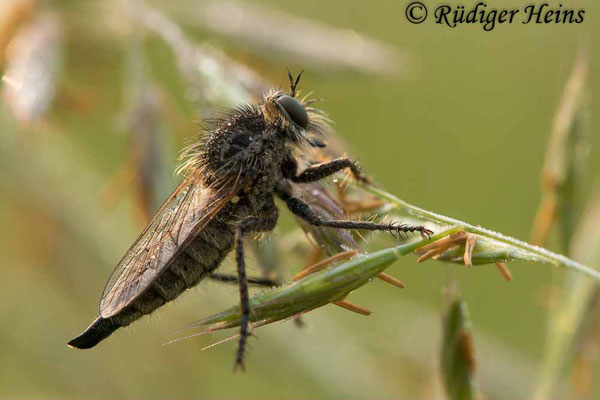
424, 232
358, 174
239, 364
403, 228
245, 333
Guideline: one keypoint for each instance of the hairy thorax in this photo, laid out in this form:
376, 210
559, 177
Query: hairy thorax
244, 150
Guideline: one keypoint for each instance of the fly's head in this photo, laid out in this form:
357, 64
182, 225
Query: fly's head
294, 118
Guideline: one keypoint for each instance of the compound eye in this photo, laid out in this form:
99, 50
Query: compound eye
294, 110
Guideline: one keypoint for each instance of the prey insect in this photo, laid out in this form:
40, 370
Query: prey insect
232, 176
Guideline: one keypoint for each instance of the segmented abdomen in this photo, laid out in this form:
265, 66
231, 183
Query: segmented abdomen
199, 259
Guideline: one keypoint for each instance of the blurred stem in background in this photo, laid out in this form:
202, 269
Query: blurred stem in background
458, 363
12, 14
147, 164
269, 31
33, 62
567, 151
574, 305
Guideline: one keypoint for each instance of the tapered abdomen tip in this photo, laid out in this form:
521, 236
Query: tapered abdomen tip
99, 330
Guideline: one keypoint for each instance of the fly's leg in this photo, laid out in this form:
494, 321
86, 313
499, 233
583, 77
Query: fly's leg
303, 210
249, 224
320, 171
244, 300
252, 281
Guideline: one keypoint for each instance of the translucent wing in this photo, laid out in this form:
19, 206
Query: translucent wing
183, 215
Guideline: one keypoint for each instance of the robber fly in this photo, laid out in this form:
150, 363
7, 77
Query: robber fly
232, 176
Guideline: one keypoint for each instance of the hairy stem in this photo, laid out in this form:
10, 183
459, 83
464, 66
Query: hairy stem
540, 253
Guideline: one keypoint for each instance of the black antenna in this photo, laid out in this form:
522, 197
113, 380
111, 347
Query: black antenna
294, 84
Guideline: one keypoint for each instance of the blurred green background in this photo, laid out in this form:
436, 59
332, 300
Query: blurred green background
462, 132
